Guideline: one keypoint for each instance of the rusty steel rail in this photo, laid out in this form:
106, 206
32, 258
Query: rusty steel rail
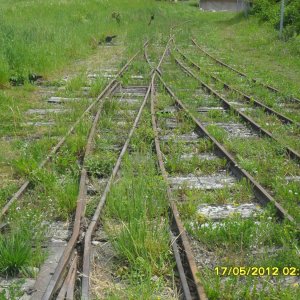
256, 127
261, 194
267, 86
189, 282
93, 223
249, 99
193, 285
61, 142
80, 208
67, 290
146, 56
64, 261
85, 291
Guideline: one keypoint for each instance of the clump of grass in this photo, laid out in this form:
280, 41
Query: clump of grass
97, 87
143, 137
139, 198
137, 218
65, 196
15, 252
238, 234
76, 83
245, 287
16, 246
176, 164
6, 192
101, 164
145, 246
110, 107
218, 133
14, 290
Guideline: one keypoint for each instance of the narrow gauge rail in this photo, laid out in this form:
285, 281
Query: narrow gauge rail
188, 289
85, 287
261, 194
227, 105
64, 287
281, 117
193, 289
72, 256
110, 86
269, 87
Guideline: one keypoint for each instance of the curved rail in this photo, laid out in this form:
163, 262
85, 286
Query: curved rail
85, 294
182, 253
93, 223
194, 284
269, 87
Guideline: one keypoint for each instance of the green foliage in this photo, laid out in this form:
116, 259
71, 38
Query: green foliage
42, 36
15, 251
101, 164
14, 291
269, 10
137, 203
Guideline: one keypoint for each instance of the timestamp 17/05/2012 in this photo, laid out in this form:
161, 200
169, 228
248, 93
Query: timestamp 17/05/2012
257, 271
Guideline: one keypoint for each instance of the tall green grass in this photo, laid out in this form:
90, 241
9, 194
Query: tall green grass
43, 37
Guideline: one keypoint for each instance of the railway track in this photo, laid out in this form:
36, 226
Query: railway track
196, 165
244, 115
70, 259
208, 190
61, 280
70, 256
249, 99
64, 287
18, 194
228, 128
267, 86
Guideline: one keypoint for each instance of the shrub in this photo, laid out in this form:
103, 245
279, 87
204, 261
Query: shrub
269, 11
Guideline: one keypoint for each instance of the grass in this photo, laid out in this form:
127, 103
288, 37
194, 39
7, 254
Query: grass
16, 247
40, 47
239, 240
237, 234
245, 288
15, 251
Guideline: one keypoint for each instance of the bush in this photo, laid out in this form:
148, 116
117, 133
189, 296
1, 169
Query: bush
269, 11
